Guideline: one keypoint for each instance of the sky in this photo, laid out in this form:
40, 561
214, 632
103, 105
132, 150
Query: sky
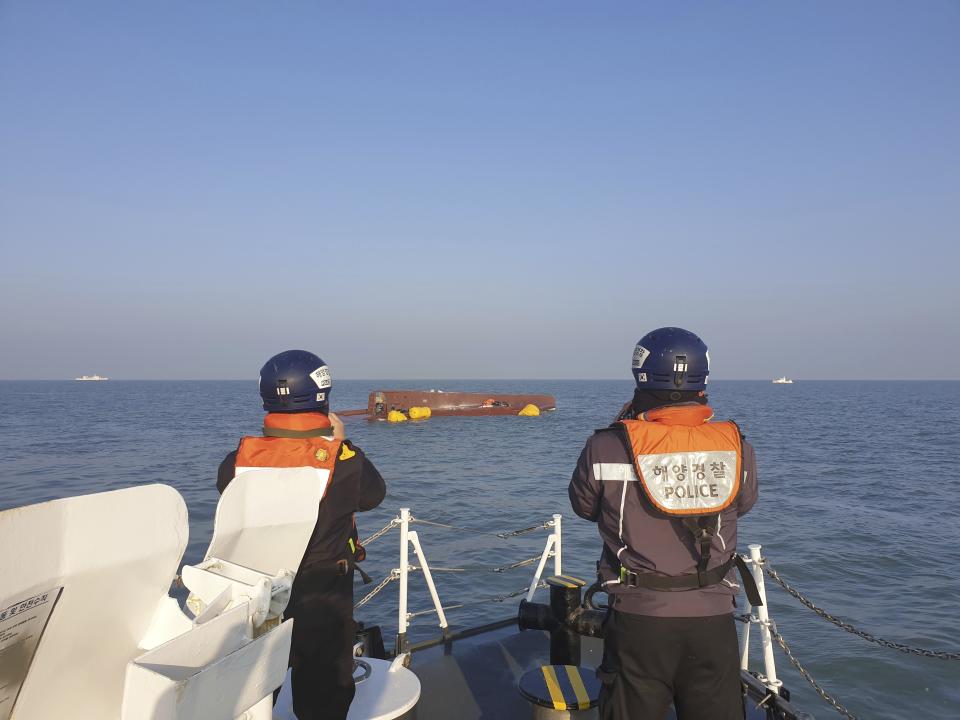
478, 190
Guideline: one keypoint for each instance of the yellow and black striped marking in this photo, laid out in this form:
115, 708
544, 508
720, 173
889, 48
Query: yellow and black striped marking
561, 687
567, 581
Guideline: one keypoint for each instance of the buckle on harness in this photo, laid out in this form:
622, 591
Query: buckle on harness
702, 577
702, 534
628, 578
343, 567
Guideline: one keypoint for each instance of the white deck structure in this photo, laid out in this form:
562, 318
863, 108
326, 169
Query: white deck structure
88, 629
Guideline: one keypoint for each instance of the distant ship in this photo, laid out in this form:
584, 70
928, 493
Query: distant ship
91, 377
783, 380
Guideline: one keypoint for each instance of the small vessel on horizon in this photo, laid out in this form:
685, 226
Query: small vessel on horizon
91, 377
783, 380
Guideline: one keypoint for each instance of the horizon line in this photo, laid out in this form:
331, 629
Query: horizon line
480, 379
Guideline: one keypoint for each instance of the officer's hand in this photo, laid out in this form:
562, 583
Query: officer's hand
338, 431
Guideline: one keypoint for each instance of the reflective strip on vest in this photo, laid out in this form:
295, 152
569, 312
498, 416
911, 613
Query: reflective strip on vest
614, 472
687, 469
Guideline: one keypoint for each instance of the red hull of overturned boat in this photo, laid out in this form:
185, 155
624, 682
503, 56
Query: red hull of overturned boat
442, 403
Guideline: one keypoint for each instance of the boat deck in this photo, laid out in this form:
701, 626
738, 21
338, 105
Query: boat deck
474, 675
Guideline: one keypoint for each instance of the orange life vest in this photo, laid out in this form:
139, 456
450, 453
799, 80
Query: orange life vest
686, 464
690, 469
295, 440
292, 440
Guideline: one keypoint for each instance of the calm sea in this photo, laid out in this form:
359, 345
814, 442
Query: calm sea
858, 501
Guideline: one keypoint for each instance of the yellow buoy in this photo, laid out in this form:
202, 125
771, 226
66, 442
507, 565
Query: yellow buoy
529, 411
396, 416
419, 413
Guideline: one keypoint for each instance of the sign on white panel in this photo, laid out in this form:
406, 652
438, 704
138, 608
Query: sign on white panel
21, 626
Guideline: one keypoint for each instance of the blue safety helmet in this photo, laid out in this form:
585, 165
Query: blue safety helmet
295, 381
671, 358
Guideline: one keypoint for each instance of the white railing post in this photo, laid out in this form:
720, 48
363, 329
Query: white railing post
404, 572
552, 544
540, 566
769, 663
557, 545
745, 641
414, 538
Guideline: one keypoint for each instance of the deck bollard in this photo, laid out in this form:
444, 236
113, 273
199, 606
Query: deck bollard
563, 618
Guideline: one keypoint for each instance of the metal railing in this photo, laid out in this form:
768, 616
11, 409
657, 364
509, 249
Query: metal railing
553, 548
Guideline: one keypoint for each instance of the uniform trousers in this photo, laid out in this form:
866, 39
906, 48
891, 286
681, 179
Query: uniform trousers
649, 662
321, 651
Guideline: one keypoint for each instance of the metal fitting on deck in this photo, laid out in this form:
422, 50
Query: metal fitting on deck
564, 618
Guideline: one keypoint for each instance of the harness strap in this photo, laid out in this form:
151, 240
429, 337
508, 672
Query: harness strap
749, 584
651, 581
703, 529
342, 566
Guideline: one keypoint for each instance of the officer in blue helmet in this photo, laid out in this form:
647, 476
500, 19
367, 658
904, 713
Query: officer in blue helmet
665, 484
300, 431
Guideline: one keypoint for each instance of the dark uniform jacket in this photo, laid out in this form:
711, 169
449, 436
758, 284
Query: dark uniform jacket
653, 541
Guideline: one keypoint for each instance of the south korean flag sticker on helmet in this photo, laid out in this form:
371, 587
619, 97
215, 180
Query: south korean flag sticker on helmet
321, 376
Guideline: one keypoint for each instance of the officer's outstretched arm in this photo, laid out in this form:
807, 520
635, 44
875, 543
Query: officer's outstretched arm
372, 488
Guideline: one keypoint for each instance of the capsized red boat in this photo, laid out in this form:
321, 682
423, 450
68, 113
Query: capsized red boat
442, 403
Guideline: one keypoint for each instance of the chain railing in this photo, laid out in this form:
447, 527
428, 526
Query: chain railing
769, 631
394, 575
768, 634
900, 647
809, 678
488, 568
382, 531
483, 601
504, 535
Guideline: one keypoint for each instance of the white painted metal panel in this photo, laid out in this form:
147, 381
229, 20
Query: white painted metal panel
266, 516
215, 672
114, 555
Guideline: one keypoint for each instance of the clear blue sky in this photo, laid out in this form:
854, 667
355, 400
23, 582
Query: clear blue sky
484, 189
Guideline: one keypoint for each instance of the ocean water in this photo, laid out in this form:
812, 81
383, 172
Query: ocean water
858, 501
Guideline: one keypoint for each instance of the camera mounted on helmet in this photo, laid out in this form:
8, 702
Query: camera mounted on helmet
295, 381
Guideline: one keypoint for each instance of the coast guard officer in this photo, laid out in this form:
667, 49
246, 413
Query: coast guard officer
665, 485
300, 431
